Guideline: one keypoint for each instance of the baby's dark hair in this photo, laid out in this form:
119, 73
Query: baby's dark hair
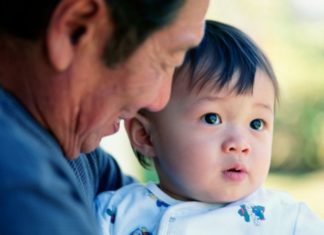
225, 52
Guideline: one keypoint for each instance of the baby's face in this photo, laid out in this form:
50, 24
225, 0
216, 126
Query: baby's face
214, 146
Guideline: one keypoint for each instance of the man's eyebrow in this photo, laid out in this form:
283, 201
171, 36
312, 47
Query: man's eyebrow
184, 48
189, 44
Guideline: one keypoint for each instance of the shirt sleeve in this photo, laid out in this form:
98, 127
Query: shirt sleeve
39, 195
98, 171
106, 215
307, 222
111, 176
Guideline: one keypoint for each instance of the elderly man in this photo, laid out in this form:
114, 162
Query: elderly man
69, 71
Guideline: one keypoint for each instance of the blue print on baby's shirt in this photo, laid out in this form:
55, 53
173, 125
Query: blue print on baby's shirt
252, 212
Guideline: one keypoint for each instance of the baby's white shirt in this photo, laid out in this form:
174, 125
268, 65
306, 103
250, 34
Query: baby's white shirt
145, 209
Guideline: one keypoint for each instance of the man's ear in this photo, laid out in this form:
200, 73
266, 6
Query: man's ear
138, 129
72, 23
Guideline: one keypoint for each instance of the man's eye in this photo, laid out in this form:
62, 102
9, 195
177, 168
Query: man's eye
257, 124
212, 118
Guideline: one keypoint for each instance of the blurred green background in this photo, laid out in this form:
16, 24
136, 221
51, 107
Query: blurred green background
291, 32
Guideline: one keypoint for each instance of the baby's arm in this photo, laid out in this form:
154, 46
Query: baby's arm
105, 213
308, 223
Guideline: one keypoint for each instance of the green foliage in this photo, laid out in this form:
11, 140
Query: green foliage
299, 132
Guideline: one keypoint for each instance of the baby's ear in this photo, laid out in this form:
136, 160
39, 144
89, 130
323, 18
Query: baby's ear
138, 130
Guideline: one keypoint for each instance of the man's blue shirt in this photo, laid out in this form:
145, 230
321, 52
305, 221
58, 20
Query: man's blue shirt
40, 191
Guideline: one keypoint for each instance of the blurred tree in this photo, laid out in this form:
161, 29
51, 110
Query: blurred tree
291, 32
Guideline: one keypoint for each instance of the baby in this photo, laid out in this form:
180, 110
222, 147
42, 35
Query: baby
211, 147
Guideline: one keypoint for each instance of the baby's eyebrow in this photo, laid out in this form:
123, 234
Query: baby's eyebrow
210, 98
265, 106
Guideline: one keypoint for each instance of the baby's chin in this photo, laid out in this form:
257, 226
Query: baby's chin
222, 199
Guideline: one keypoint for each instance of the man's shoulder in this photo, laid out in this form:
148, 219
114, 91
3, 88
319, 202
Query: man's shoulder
38, 188
22, 148
30, 156
22, 138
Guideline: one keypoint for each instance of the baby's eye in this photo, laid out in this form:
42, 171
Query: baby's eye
212, 118
257, 124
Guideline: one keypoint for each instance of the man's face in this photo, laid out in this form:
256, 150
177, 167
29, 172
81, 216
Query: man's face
142, 81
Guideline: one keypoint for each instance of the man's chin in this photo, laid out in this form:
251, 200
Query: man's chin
90, 144
72, 155
112, 129
89, 148
115, 128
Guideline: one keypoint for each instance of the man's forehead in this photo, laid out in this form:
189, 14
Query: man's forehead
190, 21
193, 10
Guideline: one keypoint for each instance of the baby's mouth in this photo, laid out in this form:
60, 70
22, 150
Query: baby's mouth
237, 172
